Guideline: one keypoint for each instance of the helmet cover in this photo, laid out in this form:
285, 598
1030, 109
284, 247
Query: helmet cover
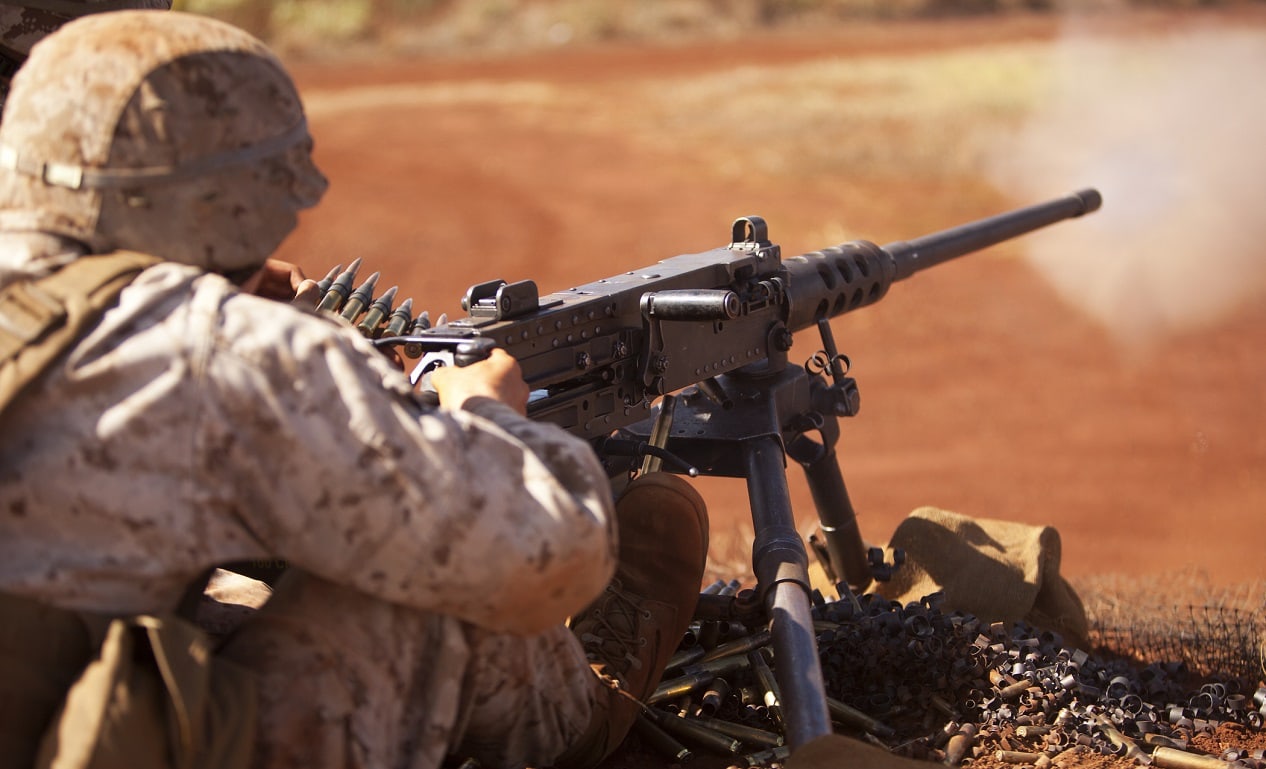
23, 23
167, 133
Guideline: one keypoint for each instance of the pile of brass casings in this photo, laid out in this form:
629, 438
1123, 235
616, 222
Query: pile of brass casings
943, 686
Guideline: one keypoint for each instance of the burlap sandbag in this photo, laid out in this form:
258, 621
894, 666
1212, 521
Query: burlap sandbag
996, 570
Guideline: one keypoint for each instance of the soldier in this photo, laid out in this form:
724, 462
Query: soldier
25, 22
156, 420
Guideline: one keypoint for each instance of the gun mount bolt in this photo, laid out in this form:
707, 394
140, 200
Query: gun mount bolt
661, 364
583, 361
782, 340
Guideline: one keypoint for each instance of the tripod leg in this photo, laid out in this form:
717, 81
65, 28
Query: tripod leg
781, 565
839, 521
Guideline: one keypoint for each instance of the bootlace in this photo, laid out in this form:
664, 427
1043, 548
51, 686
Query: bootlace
609, 630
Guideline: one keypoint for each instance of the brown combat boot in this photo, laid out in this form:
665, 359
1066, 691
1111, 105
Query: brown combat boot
632, 629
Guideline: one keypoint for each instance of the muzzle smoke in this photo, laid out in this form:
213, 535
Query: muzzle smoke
1173, 133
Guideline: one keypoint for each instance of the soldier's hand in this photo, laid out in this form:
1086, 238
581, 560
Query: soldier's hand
276, 280
498, 377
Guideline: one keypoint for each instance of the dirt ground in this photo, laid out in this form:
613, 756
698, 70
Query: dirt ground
985, 390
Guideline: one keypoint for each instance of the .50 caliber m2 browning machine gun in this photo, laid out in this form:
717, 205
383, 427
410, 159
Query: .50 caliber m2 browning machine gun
718, 325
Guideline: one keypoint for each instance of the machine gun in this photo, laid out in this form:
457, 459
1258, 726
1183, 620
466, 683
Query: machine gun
718, 326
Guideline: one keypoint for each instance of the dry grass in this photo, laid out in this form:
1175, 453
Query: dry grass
324, 26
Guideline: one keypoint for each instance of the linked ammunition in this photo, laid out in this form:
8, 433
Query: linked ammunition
360, 299
340, 289
377, 312
324, 284
420, 324
400, 319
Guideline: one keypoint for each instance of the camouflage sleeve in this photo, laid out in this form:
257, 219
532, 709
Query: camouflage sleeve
315, 442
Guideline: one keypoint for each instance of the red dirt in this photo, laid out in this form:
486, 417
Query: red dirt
984, 393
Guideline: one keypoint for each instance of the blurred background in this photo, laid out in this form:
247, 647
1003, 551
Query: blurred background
1105, 376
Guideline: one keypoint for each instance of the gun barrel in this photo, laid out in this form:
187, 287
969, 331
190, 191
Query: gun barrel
840, 279
930, 250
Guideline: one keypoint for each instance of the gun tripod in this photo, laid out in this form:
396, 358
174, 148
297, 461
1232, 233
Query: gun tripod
746, 425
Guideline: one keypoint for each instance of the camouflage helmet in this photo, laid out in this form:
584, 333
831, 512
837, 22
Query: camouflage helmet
23, 23
167, 133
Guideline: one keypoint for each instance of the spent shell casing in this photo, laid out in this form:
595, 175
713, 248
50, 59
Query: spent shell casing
360, 299
851, 716
1172, 758
1117, 738
340, 289
1016, 757
400, 319
687, 656
1162, 741
768, 756
694, 733
769, 685
714, 696
720, 666
660, 740
1014, 690
675, 687
748, 735
739, 645
959, 744
377, 312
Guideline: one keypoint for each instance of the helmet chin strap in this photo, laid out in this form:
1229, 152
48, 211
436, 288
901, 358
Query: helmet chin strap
77, 177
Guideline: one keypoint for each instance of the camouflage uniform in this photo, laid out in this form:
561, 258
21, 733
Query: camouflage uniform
436, 552
23, 23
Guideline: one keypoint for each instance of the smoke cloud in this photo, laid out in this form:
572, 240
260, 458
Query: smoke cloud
1172, 131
